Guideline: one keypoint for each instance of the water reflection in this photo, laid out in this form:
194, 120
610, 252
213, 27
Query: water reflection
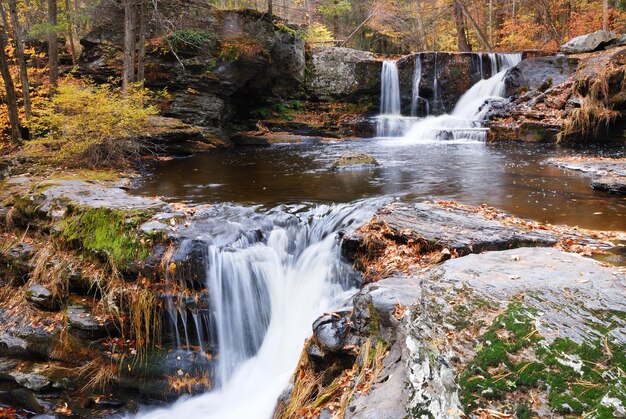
511, 177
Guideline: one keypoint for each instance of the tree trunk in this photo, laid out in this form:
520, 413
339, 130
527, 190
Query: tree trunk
53, 47
70, 32
461, 29
420, 26
14, 119
555, 33
141, 50
128, 73
605, 15
491, 22
479, 34
19, 48
270, 12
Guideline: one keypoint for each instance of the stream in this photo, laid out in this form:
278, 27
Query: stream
271, 237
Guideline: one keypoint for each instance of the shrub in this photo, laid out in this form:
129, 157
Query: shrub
191, 40
86, 125
241, 48
318, 33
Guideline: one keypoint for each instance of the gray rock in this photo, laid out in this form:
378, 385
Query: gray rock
84, 325
42, 297
455, 229
154, 227
609, 173
534, 73
335, 72
568, 292
11, 345
26, 399
30, 380
354, 161
590, 42
610, 184
330, 331
94, 195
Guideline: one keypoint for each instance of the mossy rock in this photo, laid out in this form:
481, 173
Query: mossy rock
354, 161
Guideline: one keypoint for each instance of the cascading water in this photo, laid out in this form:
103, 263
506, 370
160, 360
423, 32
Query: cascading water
464, 123
415, 93
390, 122
389, 89
493, 60
268, 276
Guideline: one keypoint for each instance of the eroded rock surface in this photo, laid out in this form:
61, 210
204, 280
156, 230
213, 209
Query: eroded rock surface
609, 173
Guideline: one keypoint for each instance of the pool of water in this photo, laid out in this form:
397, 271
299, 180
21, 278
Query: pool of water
511, 177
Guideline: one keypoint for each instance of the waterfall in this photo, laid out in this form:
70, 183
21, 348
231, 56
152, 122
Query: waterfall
493, 59
269, 276
389, 89
480, 66
436, 83
417, 79
390, 122
464, 123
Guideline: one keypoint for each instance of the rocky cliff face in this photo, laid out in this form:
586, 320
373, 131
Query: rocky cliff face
215, 64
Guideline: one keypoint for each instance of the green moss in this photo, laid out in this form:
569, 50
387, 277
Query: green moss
513, 357
88, 175
373, 326
107, 232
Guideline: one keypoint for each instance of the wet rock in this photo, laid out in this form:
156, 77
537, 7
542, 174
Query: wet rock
30, 380
23, 338
330, 332
84, 324
174, 137
16, 263
527, 131
534, 73
42, 297
354, 161
456, 229
162, 369
590, 42
610, 173
612, 184
25, 399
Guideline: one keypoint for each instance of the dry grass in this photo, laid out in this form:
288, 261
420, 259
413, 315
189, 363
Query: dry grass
187, 382
98, 374
309, 395
597, 102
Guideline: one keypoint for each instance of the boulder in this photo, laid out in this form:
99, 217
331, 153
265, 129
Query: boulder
343, 73
354, 161
590, 42
535, 73
553, 311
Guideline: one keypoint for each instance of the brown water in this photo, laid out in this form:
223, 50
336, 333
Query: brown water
514, 178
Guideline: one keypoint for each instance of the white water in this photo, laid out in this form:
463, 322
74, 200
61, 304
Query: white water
267, 294
389, 89
415, 92
390, 122
464, 123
